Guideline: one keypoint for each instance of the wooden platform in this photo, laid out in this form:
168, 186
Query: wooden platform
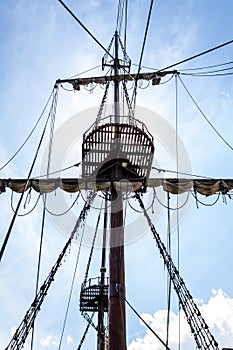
92, 294
127, 145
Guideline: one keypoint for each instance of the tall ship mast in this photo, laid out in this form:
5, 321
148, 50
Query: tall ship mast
116, 174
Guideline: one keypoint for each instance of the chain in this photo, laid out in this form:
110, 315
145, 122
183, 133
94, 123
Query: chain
89, 320
126, 57
199, 329
102, 103
92, 249
19, 338
85, 332
108, 49
131, 114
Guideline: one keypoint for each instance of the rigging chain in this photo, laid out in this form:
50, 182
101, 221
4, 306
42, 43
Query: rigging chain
127, 99
85, 314
21, 333
199, 329
105, 57
72, 286
125, 55
134, 94
92, 249
146, 324
85, 332
98, 118
89, 320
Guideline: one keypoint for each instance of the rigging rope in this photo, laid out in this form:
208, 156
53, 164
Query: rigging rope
146, 324
52, 124
126, 22
191, 71
139, 211
85, 332
38, 268
199, 329
163, 205
85, 28
30, 211
168, 273
203, 114
196, 56
208, 75
92, 249
133, 99
57, 171
207, 67
71, 288
205, 204
30, 134
26, 183
89, 320
84, 72
120, 16
21, 333
208, 72
177, 200
66, 211
181, 173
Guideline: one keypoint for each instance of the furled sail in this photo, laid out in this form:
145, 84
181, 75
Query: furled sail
205, 187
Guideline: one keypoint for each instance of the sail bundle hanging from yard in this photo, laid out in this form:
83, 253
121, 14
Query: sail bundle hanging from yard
174, 186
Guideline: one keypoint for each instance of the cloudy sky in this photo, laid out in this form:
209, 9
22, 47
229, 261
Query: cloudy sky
41, 43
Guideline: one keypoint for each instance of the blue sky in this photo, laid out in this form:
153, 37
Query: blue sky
40, 43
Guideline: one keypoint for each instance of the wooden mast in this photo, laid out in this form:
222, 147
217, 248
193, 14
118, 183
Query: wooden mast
101, 341
117, 322
112, 151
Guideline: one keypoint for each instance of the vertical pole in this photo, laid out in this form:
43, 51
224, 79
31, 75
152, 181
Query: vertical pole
101, 330
116, 83
117, 322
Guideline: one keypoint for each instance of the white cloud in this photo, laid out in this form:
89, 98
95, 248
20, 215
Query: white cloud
49, 341
218, 314
69, 340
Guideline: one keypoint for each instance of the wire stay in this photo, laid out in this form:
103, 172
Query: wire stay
18, 340
199, 329
205, 117
85, 28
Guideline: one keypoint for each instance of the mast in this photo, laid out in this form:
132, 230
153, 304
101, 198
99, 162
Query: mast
117, 322
116, 83
101, 329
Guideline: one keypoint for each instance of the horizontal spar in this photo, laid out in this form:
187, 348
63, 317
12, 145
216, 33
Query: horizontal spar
155, 77
172, 185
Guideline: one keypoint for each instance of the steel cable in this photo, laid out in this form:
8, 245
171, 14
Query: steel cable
71, 288
133, 99
30, 134
24, 189
205, 117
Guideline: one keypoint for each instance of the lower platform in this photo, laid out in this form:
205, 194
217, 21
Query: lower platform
94, 294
